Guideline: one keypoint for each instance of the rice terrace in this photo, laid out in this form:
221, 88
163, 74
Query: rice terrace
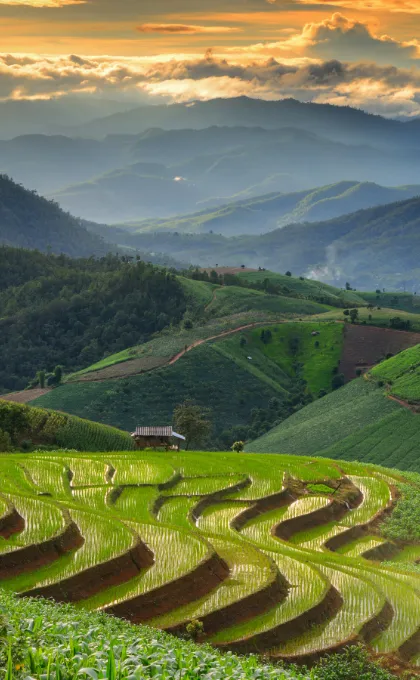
279, 555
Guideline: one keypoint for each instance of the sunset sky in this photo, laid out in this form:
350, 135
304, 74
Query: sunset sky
363, 53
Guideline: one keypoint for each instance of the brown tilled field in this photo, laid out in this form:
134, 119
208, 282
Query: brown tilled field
26, 395
365, 346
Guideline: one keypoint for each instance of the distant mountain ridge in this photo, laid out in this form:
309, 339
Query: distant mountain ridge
379, 245
268, 212
335, 122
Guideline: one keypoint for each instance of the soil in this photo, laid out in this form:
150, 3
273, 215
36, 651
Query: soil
365, 346
26, 395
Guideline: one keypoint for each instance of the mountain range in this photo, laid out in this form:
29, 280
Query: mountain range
375, 246
268, 212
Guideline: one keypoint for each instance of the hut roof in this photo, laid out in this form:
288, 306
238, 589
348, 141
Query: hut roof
165, 431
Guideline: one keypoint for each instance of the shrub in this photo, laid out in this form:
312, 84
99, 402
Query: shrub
195, 629
338, 381
238, 446
353, 663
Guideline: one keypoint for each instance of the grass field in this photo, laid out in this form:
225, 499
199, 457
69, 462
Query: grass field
402, 374
231, 376
377, 317
306, 288
266, 585
329, 420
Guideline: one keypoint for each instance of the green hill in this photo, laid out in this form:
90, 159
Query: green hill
237, 376
32, 427
305, 288
359, 421
260, 214
30, 221
401, 374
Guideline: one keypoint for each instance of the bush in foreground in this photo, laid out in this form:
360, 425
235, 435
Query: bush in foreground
43, 640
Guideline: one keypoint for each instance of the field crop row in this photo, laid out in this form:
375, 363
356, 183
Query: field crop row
211, 552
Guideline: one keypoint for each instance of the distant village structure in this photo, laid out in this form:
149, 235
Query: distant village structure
157, 437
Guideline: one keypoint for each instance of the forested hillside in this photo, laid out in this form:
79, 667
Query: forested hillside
30, 221
56, 310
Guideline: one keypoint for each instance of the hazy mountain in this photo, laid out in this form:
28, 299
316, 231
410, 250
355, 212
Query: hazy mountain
266, 213
380, 244
21, 117
126, 193
336, 122
216, 164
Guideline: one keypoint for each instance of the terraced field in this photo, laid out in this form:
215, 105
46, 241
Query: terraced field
275, 554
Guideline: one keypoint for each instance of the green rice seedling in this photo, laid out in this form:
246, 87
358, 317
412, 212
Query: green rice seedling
410, 553
13, 477
165, 542
43, 520
356, 548
88, 471
177, 511
314, 539
49, 476
402, 593
308, 589
376, 496
202, 486
250, 570
93, 497
104, 539
361, 602
135, 504
140, 470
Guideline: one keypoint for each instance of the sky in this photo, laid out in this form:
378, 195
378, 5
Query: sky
349, 52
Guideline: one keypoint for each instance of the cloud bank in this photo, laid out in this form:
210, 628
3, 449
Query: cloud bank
320, 63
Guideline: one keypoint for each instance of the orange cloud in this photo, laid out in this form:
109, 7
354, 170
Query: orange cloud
408, 6
184, 29
43, 3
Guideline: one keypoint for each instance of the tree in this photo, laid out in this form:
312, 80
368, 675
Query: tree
354, 315
5, 442
288, 273
192, 421
266, 336
238, 447
242, 341
338, 381
214, 276
58, 374
41, 378
346, 312
348, 286
188, 324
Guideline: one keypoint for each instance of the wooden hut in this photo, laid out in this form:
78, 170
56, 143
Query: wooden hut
157, 437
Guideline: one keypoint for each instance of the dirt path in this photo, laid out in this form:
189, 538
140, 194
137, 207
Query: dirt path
414, 408
26, 395
188, 348
213, 298
137, 367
